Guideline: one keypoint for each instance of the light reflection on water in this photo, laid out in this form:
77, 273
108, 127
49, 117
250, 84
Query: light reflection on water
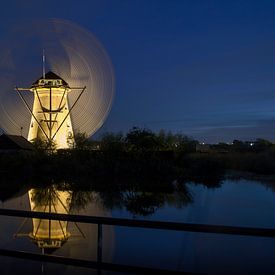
75, 240
240, 203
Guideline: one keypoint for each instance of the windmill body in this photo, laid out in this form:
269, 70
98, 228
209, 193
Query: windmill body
51, 119
76, 98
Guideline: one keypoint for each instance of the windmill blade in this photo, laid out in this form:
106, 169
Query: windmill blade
72, 53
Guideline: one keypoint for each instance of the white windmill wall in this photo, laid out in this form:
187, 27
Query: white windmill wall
65, 134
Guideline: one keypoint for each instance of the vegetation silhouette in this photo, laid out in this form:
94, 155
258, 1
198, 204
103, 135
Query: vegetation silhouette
135, 169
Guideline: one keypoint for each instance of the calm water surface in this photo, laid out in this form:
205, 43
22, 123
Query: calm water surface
235, 202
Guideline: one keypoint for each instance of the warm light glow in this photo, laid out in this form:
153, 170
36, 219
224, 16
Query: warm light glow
51, 119
49, 233
72, 53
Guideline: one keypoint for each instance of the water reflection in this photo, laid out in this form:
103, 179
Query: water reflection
239, 203
52, 235
147, 203
136, 198
73, 240
49, 234
143, 201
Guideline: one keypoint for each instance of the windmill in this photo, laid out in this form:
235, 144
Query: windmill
50, 115
76, 93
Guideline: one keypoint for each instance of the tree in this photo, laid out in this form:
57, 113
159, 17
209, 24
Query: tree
239, 146
142, 139
262, 145
44, 146
112, 142
79, 141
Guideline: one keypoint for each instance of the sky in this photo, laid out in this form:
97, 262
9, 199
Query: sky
202, 68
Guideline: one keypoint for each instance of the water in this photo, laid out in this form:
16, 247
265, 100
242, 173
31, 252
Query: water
234, 202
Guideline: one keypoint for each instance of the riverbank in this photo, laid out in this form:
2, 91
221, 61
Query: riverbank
236, 175
140, 181
154, 169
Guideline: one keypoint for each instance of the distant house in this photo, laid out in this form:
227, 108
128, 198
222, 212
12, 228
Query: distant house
12, 143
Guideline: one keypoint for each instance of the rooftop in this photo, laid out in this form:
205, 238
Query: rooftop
50, 76
13, 142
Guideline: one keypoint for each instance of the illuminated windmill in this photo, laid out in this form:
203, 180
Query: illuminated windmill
75, 96
50, 115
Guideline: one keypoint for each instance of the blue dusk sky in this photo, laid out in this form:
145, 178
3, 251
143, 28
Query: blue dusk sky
202, 68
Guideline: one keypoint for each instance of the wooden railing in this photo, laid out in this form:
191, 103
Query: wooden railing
100, 221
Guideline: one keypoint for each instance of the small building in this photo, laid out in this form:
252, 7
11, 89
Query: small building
13, 144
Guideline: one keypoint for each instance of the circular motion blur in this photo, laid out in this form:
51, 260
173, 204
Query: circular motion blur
56, 80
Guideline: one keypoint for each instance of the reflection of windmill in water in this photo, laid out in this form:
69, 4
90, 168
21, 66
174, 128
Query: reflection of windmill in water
49, 234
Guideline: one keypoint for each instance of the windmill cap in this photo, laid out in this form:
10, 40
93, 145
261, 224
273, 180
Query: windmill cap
50, 76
